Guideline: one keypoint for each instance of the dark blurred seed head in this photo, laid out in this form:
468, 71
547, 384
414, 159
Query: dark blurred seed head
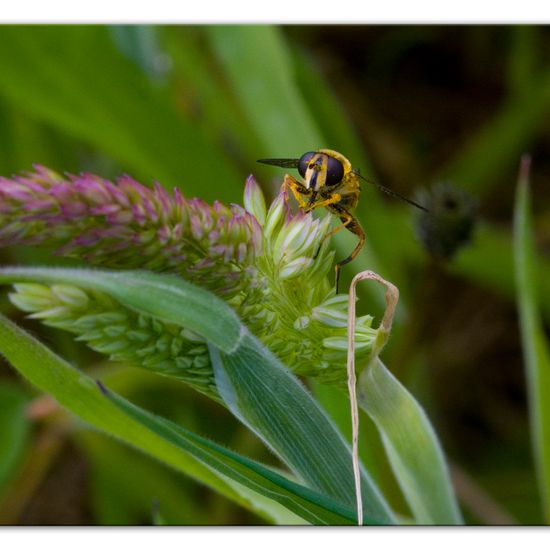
449, 224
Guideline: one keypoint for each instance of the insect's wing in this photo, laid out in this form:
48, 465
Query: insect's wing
284, 163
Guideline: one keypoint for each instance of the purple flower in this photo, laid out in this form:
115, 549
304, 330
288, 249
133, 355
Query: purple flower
270, 264
128, 225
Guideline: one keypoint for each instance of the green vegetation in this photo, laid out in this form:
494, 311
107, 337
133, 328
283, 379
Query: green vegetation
264, 439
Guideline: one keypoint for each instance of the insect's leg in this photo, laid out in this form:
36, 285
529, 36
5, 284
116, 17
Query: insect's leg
356, 229
334, 199
298, 190
333, 232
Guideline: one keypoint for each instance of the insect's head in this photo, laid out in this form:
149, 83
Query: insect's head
320, 169
323, 167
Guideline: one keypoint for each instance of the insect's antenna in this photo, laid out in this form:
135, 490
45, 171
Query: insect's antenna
389, 191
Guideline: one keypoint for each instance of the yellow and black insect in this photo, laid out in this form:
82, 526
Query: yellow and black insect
331, 182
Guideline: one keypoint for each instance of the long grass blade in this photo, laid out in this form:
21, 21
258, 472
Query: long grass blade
308, 504
78, 393
411, 444
536, 351
412, 447
273, 404
255, 386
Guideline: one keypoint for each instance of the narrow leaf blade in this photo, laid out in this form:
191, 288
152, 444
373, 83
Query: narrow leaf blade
259, 67
166, 297
536, 351
411, 445
273, 404
323, 461
78, 393
308, 504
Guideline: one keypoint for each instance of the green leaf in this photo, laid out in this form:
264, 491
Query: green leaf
126, 483
166, 297
336, 403
259, 67
536, 351
109, 103
221, 116
308, 504
14, 430
271, 402
412, 447
326, 458
79, 394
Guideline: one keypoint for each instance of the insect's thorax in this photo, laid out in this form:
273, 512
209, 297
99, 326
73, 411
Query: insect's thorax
349, 189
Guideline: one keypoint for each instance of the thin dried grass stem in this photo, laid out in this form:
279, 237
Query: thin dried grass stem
392, 297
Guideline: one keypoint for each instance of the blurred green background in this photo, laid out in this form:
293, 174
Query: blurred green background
194, 107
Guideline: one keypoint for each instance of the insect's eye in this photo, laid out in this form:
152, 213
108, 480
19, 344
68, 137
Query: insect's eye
335, 171
304, 161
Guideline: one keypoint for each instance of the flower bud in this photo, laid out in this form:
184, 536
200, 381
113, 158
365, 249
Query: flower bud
254, 201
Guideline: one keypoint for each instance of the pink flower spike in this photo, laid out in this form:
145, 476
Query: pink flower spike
128, 225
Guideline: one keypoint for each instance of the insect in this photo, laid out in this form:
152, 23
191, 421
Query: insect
331, 182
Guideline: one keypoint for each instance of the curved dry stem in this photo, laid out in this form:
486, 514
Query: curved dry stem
392, 297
